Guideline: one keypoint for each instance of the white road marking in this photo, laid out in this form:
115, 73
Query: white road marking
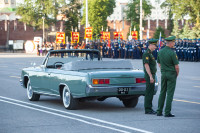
195, 79
15, 77
82, 116
20, 63
197, 86
4, 66
64, 116
186, 101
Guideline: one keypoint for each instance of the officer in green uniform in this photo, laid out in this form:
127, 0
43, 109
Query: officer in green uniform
168, 62
150, 69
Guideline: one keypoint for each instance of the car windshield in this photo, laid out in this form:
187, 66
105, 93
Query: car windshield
65, 56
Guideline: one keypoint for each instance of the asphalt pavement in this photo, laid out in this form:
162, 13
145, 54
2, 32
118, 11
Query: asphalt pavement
19, 115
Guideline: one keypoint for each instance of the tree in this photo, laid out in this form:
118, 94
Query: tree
195, 33
98, 11
176, 30
186, 31
181, 8
133, 12
157, 33
73, 15
32, 12
167, 10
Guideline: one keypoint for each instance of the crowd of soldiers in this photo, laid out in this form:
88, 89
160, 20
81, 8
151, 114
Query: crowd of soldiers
186, 49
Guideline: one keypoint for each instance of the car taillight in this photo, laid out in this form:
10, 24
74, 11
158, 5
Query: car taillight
95, 81
100, 81
107, 81
140, 80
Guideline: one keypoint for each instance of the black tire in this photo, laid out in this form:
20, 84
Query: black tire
30, 94
130, 103
68, 101
101, 98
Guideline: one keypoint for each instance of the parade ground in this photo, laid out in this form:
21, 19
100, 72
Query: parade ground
19, 115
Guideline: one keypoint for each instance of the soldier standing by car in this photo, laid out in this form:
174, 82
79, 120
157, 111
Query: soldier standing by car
168, 62
150, 69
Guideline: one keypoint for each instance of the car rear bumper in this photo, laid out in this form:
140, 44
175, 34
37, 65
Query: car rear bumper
113, 90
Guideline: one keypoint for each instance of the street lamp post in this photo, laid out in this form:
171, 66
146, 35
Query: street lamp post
86, 18
43, 29
8, 30
140, 19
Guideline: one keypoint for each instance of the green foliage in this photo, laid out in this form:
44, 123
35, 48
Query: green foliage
32, 12
196, 31
98, 11
181, 8
167, 9
157, 33
186, 31
73, 14
133, 12
176, 30
193, 33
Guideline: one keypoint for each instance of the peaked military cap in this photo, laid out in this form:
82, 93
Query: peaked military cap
153, 41
171, 38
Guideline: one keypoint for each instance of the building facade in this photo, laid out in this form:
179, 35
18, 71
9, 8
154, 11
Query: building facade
12, 29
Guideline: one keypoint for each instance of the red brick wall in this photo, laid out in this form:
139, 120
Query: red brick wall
126, 29
20, 34
119, 25
29, 34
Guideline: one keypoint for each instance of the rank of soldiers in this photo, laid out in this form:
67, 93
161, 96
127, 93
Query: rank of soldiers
186, 49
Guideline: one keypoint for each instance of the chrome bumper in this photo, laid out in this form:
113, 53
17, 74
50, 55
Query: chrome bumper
113, 88
138, 89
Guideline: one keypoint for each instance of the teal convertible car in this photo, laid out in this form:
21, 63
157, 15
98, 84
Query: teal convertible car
77, 75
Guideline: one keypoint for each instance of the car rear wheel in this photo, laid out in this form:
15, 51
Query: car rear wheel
31, 95
130, 103
68, 101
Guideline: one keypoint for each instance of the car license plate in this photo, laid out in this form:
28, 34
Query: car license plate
123, 90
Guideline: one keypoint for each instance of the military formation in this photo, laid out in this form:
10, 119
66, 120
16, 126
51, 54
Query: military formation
186, 49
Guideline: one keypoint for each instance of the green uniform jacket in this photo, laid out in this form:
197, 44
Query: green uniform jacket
167, 59
149, 58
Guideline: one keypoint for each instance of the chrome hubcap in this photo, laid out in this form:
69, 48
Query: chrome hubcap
66, 98
29, 91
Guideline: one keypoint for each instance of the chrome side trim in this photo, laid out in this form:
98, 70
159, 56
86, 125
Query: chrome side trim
44, 93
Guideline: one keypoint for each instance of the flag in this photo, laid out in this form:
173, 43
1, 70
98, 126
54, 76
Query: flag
160, 41
119, 40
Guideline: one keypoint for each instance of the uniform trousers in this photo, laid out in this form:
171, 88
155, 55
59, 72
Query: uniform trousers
149, 93
168, 84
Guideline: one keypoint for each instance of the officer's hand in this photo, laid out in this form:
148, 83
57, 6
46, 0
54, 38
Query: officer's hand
151, 80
